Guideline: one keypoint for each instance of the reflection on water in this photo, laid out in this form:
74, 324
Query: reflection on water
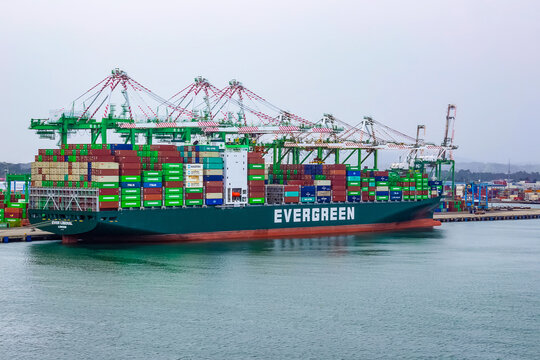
147, 253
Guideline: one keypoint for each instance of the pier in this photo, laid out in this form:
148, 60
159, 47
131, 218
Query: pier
25, 233
490, 215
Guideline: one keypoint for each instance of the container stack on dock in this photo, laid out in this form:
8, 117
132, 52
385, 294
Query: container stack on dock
13, 210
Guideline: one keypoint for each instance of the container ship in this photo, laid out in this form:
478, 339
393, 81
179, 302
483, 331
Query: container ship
219, 179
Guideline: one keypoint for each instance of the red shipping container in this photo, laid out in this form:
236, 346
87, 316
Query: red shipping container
114, 191
257, 194
339, 198
130, 172
214, 183
291, 199
291, 188
173, 184
339, 187
295, 182
355, 188
192, 196
162, 147
105, 172
108, 205
152, 191
150, 197
255, 171
127, 153
339, 193
128, 159
214, 189
99, 152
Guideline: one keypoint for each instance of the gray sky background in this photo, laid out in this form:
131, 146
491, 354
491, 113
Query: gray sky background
401, 62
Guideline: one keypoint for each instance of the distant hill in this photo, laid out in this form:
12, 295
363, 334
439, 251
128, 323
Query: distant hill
14, 168
483, 167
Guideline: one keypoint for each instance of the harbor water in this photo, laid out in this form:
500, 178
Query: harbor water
463, 290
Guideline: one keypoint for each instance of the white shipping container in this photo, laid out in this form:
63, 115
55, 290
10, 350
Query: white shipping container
194, 166
196, 172
214, 195
213, 172
322, 182
104, 165
104, 178
193, 184
208, 154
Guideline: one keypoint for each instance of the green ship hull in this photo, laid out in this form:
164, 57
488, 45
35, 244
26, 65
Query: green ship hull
214, 223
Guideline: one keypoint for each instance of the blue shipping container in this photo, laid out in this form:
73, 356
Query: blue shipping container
354, 173
133, 185
324, 188
213, 177
381, 193
323, 199
354, 198
121, 147
152, 185
214, 201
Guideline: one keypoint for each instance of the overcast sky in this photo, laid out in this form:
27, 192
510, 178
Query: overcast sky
400, 62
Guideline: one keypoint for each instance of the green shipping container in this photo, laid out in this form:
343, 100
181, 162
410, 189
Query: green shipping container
371, 193
152, 179
406, 197
354, 183
173, 178
152, 203
395, 188
131, 197
130, 204
365, 188
255, 177
194, 190
173, 191
256, 166
104, 185
382, 198
174, 202
173, 166
256, 200
192, 202
179, 196
107, 198
381, 183
150, 173
127, 191
130, 178
307, 199
173, 172
353, 193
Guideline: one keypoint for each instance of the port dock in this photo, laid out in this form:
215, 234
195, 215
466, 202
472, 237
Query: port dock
489, 215
25, 233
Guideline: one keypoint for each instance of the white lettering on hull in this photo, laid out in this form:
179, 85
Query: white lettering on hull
314, 214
